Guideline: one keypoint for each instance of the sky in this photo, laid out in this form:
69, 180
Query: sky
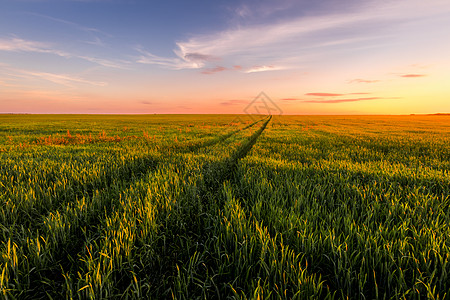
173, 56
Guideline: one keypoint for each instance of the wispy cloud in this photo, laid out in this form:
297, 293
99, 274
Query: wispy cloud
412, 75
342, 100
247, 44
93, 33
175, 63
334, 94
62, 79
213, 70
256, 69
331, 98
323, 98
15, 44
119, 64
199, 57
70, 23
96, 42
288, 42
358, 80
324, 94
291, 99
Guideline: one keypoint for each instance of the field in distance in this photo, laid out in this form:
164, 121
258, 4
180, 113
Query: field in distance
224, 206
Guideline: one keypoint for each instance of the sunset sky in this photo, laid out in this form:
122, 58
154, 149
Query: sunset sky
309, 57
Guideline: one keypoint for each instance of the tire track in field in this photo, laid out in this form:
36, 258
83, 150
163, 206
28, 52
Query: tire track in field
242, 152
130, 169
63, 253
171, 235
172, 244
216, 173
219, 139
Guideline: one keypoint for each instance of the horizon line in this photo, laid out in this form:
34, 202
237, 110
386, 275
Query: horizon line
243, 114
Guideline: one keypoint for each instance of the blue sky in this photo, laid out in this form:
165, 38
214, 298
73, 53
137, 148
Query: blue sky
312, 57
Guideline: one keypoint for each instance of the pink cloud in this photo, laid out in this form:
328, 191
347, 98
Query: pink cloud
334, 94
324, 94
256, 69
213, 70
412, 75
363, 81
199, 57
343, 100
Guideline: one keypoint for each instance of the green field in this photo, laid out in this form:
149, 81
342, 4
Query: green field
222, 207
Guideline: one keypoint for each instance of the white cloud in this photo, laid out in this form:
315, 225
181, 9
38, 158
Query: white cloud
256, 69
104, 62
16, 44
19, 45
62, 79
77, 26
262, 44
286, 42
176, 63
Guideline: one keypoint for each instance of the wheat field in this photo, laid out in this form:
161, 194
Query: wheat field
224, 207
